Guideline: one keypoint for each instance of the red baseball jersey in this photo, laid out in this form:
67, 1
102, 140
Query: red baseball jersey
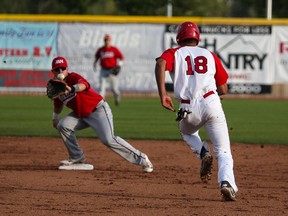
194, 71
108, 56
82, 103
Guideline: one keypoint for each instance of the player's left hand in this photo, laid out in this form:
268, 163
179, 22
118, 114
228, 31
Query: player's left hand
55, 88
167, 103
116, 70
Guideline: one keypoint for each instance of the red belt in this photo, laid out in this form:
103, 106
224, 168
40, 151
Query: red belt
208, 94
204, 96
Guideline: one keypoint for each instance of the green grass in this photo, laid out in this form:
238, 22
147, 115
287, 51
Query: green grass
249, 121
257, 121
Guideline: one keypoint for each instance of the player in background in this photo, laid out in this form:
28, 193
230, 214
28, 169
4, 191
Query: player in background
199, 78
89, 109
110, 59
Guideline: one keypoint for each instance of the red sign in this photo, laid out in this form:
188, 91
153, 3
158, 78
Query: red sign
24, 78
284, 47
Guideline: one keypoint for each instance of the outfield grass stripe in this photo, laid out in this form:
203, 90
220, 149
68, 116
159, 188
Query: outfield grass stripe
249, 121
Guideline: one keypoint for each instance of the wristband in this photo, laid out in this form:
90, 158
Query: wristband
72, 89
55, 115
120, 63
75, 88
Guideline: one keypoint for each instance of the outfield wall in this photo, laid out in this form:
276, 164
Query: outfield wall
254, 51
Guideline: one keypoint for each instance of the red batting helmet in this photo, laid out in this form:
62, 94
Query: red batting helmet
187, 30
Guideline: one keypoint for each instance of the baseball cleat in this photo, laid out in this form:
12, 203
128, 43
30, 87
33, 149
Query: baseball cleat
206, 167
73, 161
227, 192
147, 165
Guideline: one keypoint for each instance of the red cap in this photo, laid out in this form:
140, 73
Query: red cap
59, 62
107, 37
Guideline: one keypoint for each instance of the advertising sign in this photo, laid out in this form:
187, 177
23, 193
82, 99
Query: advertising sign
26, 53
27, 46
280, 54
139, 43
243, 50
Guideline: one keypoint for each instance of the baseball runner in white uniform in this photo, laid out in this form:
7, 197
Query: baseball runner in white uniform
199, 78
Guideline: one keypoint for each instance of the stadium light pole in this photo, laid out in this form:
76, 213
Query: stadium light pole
169, 8
269, 9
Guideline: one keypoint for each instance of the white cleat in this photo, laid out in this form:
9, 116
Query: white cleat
147, 166
73, 161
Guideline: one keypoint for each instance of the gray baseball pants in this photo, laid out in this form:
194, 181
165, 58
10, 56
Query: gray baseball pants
101, 121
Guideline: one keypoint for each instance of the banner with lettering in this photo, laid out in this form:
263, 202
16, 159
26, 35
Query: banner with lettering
245, 52
27, 46
26, 53
139, 43
280, 54
256, 57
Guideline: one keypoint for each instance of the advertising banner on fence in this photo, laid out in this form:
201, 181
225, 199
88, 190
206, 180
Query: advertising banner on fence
255, 56
27, 46
244, 51
280, 54
139, 43
26, 53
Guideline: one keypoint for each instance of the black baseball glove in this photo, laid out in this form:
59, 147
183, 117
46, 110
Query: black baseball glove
181, 114
55, 88
116, 70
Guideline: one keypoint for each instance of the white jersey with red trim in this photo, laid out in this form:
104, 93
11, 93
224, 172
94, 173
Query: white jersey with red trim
194, 71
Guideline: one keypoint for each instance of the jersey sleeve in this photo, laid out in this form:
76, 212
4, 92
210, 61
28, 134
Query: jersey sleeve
221, 76
118, 54
168, 56
75, 78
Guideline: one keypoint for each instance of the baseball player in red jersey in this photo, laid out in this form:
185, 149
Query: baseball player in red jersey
89, 109
111, 59
199, 78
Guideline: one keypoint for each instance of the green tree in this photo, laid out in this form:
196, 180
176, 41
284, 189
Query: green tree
248, 8
205, 8
280, 8
142, 8
202, 8
180, 8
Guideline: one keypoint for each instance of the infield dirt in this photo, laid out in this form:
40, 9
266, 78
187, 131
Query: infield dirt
30, 183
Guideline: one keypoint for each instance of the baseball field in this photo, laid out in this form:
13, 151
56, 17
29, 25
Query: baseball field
30, 151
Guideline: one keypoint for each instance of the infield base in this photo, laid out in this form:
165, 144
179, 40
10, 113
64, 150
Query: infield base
76, 167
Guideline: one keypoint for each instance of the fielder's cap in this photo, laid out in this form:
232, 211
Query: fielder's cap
107, 37
59, 62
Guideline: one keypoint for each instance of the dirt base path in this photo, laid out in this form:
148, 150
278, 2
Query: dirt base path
30, 183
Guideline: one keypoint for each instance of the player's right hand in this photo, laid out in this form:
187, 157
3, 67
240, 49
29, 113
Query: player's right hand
167, 103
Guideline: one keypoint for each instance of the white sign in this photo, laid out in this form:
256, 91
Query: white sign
139, 43
243, 50
280, 54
